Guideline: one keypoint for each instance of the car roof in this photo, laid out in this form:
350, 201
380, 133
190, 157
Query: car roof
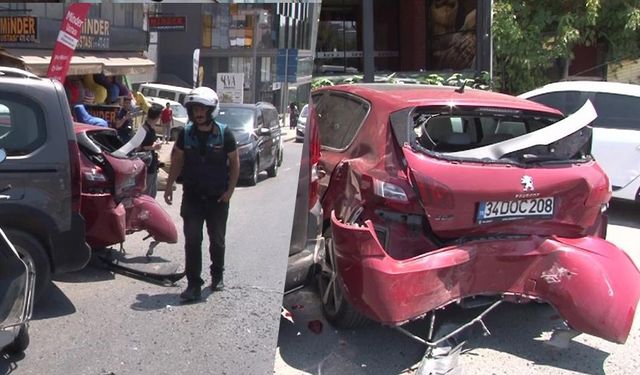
162, 101
399, 96
592, 86
161, 86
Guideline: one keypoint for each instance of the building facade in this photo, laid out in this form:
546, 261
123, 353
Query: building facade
113, 39
406, 36
250, 51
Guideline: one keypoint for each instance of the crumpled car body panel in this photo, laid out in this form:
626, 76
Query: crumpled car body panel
592, 283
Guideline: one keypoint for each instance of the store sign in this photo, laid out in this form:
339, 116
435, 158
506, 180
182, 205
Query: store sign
164, 23
105, 112
18, 29
95, 34
230, 87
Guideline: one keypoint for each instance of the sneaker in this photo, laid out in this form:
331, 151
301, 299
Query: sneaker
217, 283
192, 293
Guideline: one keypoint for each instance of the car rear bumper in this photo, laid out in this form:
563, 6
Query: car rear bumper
593, 284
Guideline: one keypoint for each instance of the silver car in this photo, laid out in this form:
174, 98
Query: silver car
302, 123
17, 282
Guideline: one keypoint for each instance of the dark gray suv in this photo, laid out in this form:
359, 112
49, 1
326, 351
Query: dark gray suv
40, 181
257, 132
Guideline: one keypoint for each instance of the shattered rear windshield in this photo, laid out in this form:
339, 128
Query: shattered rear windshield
446, 131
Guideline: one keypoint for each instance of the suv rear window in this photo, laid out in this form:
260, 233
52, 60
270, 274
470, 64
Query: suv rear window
22, 125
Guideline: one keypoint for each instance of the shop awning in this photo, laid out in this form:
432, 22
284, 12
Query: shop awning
109, 63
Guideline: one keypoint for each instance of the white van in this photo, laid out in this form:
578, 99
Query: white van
158, 90
616, 131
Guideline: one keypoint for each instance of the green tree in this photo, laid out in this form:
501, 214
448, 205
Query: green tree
531, 36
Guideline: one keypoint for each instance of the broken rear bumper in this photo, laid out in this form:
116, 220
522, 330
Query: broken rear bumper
592, 283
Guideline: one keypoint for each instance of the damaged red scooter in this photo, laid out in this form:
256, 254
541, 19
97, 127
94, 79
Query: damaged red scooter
113, 206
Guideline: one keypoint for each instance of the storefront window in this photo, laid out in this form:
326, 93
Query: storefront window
452, 30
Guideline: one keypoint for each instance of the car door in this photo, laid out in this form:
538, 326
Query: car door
339, 117
264, 141
616, 137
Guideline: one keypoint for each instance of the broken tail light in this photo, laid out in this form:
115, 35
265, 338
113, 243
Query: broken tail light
76, 180
388, 190
94, 181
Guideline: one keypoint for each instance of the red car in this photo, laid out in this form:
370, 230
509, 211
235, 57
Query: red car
435, 195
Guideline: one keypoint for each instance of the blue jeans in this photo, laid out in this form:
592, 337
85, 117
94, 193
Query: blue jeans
195, 211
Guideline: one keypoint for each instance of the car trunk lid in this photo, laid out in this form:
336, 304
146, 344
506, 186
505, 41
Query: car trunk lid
513, 186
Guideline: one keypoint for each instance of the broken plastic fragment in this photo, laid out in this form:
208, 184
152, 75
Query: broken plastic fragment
286, 314
315, 326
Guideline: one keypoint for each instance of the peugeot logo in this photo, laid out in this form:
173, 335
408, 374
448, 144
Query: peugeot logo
527, 183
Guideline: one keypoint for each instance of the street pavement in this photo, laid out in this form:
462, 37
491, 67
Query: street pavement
95, 322
515, 345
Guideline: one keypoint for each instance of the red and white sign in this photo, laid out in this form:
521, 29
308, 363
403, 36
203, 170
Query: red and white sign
67, 40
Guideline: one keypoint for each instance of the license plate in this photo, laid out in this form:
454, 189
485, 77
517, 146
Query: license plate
541, 208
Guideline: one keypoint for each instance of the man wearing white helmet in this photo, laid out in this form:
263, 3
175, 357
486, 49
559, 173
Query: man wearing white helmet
205, 156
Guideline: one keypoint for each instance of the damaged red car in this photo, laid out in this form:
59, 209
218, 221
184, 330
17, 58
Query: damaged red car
436, 195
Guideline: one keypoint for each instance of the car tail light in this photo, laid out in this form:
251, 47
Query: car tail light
433, 193
388, 190
94, 181
76, 181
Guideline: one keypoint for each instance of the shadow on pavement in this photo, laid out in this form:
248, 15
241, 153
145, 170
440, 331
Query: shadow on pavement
624, 213
95, 270
515, 329
53, 304
170, 301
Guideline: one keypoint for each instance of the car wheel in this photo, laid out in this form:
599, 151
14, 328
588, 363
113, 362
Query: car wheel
280, 156
32, 253
20, 342
273, 170
253, 179
335, 307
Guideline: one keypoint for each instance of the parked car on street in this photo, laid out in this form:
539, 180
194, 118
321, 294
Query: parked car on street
159, 90
257, 132
41, 185
17, 282
616, 131
302, 122
306, 234
180, 116
434, 195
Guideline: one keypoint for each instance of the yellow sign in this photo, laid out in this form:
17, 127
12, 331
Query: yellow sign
95, 34
18, 29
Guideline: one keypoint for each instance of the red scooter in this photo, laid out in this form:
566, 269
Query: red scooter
112, 203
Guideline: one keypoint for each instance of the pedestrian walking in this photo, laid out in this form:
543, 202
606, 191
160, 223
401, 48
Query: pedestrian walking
205, 156
293, 115
150, 143
167, 122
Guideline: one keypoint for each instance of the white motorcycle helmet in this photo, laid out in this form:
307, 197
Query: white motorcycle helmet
204, 96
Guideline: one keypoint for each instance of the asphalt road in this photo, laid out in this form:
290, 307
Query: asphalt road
94, 322
514, 347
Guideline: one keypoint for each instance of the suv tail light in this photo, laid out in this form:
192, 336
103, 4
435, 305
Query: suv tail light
76, 181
